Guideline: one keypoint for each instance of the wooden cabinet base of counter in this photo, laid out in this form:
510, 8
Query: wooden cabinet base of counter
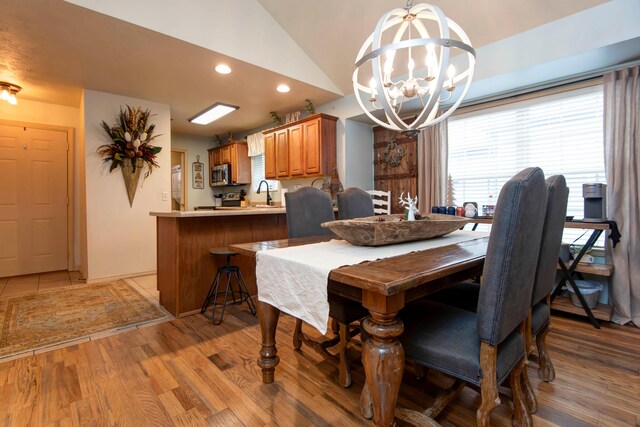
185, 267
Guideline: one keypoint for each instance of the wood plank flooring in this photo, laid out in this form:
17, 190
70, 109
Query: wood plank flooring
188, 372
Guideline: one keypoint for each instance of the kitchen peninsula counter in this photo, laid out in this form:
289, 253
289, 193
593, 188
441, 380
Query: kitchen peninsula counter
185, 267
220, 211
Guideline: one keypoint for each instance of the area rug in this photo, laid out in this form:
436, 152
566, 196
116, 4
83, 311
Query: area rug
43, 319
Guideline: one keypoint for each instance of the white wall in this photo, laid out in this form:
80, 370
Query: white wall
588, 40
121, 240
195, 145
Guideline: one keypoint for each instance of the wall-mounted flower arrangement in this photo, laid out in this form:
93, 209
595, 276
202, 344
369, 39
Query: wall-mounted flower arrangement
131, 148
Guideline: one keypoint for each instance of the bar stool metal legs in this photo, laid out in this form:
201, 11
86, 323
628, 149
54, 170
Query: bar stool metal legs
213, 294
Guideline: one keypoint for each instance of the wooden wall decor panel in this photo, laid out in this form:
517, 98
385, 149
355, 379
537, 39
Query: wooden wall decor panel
399, 179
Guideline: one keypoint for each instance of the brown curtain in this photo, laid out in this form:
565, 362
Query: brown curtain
622, 155
432, 166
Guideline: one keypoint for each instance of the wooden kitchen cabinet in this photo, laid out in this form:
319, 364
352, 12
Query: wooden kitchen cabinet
214, 157
313, 147
305, 148
296, 151
237, 155
282, 153
270, 156
225, 153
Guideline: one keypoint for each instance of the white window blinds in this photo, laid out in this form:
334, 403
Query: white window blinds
257, 173
561, 133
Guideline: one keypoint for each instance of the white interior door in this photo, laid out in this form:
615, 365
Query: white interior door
33, 200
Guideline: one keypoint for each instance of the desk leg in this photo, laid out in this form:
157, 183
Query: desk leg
268, 359
383, 360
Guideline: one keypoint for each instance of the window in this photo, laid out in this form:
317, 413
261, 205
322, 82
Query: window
561, 133
257, 173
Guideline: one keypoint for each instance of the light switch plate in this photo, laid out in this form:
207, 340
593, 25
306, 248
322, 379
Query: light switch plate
165, 196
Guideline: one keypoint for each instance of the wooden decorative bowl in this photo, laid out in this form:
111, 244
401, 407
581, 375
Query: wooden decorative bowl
389, 229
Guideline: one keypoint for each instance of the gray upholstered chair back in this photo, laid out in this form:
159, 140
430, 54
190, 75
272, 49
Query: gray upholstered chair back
354, 203
557, 196
512, 256
307, 208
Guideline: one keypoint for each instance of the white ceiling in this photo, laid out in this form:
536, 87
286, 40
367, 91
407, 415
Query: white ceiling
54, 49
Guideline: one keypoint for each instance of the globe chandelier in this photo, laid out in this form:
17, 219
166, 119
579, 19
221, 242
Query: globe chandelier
414, 68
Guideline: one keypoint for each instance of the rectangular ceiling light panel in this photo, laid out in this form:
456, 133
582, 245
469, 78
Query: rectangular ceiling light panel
213, 113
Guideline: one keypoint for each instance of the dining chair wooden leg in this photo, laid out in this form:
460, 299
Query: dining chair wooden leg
488, 384
297, 335
443, 398
335, 326
521, 416
527, 390
343, 367
546, 371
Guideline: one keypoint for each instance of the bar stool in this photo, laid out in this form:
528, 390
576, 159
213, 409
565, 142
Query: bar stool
229, 270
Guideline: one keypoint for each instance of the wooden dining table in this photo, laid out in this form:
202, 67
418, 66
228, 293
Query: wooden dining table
383, 286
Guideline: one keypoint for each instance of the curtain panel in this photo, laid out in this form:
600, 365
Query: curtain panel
432, 166
255, 144
622, 158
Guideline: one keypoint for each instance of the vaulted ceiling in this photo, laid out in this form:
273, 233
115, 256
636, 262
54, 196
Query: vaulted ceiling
166, 51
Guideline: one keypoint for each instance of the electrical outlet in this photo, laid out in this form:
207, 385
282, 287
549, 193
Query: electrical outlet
165, 196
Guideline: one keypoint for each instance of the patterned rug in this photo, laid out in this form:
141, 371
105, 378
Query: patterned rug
37, 320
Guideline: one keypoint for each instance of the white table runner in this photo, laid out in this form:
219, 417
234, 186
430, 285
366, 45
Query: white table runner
294, 279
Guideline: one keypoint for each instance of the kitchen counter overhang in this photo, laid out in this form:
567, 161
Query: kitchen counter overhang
220, 211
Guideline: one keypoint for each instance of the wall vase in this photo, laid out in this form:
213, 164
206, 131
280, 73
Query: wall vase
131, 176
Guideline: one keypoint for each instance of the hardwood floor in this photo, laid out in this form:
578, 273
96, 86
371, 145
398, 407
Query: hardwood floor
188, 372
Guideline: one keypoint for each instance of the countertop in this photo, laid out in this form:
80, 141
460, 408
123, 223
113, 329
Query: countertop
221, 212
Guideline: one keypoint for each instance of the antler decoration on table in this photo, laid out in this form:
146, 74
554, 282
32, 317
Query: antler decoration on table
410, 204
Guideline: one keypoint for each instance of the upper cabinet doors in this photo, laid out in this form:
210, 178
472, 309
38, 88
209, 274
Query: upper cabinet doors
300, 149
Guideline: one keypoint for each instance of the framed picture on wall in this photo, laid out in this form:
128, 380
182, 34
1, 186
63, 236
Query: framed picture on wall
198, 174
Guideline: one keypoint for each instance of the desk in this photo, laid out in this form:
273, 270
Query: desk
383, 287
575, 268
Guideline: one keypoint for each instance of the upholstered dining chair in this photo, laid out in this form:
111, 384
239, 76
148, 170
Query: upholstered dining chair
354, 203
307, 208
487, 348
465, 295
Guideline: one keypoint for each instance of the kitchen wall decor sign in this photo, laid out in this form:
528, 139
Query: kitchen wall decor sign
197, 170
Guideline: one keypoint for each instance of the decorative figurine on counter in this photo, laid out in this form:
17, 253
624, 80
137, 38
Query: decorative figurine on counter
410, 205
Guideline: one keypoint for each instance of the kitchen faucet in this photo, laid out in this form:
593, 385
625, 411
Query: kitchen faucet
268, 195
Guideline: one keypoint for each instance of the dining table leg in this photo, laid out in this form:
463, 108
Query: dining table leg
268, 360
383, 361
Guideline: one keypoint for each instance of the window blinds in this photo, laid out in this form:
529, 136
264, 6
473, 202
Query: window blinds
561, 133
257, 173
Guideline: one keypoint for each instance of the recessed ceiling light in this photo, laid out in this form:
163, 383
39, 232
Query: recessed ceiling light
223, 69
283, 88
213, 113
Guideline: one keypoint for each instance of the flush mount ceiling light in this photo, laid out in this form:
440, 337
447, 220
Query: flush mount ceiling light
213, 113
410, 55
283, 88
8, 92
223, 69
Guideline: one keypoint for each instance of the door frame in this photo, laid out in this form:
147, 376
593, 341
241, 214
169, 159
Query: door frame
70, 131
183, 165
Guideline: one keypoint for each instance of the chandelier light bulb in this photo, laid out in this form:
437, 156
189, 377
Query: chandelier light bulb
4, 95
406, 89
12, 99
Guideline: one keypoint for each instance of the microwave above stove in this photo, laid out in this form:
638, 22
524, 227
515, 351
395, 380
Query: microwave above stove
221, 175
